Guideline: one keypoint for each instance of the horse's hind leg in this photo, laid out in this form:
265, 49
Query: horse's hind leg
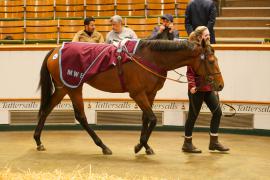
55, 99
77, 101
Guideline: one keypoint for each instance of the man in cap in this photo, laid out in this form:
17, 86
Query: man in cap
89, 34
166, 30
119, 32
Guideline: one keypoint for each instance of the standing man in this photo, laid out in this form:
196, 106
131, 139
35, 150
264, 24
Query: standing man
89, 34
201, 13
118, 33
166, 30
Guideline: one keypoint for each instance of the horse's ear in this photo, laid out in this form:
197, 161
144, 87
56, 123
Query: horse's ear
203, 43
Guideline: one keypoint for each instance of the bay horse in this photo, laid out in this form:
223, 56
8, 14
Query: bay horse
141, 84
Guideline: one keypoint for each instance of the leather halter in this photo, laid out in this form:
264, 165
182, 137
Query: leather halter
203, 62
217, 95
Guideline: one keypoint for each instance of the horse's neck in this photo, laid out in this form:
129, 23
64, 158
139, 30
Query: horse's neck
180, 61
169, 60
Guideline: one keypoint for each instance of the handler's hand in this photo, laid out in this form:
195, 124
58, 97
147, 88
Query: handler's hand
171, 28
161, 28
193, 90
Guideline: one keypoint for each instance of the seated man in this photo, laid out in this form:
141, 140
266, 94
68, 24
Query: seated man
118, 32
89, 34
166, 30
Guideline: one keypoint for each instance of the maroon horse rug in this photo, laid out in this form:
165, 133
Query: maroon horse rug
80, 61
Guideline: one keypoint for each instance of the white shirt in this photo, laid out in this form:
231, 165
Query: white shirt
126, 33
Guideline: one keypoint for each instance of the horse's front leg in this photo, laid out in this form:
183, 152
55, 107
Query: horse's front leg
139, 146
148, 118
77, 101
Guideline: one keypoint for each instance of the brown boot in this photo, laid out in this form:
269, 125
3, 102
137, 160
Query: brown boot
215, 145
189, 147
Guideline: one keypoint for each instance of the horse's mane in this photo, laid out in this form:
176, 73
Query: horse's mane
166, 45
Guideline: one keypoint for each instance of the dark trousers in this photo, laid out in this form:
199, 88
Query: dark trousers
195, 104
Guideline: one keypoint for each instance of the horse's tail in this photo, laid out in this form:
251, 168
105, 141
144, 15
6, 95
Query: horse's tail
45, 84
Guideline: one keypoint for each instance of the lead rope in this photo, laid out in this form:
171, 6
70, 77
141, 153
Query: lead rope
148, 69
218, 105
226, 115
153, 72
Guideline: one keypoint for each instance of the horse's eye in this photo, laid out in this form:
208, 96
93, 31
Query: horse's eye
211, 62
211, 59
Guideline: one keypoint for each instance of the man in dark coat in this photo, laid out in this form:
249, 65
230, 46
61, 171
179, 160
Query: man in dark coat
201, 13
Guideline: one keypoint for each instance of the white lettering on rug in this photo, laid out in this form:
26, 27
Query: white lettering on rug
74, 73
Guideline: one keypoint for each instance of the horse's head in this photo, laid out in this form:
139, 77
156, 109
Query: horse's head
206, 65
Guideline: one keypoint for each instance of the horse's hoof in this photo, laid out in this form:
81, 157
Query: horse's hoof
41, 148
149, 151
138, 147
107, 151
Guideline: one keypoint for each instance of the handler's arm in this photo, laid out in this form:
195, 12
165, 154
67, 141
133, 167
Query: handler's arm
190, 77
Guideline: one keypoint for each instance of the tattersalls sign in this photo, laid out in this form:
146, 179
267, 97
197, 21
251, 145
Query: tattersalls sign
30, 105
19, 105
253, 108
98, 105
131, 105
174, 111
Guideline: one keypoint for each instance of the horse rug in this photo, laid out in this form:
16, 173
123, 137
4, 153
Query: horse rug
79, 61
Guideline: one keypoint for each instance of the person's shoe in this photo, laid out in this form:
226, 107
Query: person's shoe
215, 145
189, 147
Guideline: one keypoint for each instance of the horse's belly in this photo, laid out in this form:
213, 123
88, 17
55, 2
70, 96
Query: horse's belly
106, 81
